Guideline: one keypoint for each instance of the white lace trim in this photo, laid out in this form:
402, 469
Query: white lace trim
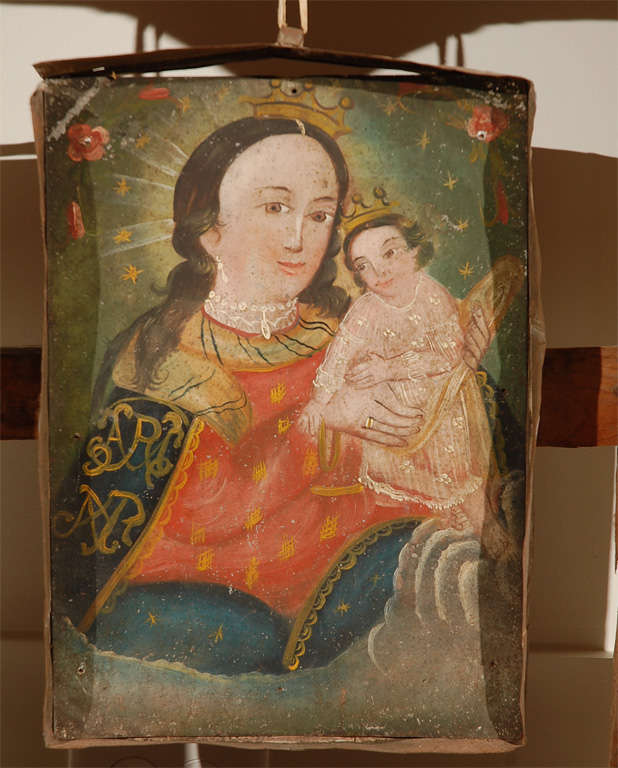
252, 318
379, 487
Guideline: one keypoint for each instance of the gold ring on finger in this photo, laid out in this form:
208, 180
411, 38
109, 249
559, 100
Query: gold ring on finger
369, 422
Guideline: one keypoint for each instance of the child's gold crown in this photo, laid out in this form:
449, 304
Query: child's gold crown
301, 104
363, 213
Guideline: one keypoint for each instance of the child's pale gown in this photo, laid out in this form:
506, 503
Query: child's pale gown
449, 459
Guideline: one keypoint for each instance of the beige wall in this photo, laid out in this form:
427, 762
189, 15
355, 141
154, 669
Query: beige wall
569, 50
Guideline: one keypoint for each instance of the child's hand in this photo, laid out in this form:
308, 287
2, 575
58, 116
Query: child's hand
310, 418
370, 372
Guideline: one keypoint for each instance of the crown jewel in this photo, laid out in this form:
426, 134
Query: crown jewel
363, 213
302, 104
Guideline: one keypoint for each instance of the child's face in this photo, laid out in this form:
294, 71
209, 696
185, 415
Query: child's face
385, 262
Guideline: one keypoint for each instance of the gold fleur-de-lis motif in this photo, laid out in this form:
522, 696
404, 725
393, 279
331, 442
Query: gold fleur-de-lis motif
252, 574
329, 528
205, 560
259, 471
283, 425
198, 534
288, 548
208, 469
254, 517
277, 393
311, 463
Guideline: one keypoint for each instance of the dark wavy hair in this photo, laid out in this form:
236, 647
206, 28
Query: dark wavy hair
412, 234
196, 209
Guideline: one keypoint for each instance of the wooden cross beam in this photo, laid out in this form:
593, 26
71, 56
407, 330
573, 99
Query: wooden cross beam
579, 399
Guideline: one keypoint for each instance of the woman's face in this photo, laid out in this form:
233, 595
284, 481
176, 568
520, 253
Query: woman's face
385, 263
277, 202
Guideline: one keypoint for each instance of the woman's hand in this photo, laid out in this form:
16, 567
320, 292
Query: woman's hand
477, 338
374, 370
383, 419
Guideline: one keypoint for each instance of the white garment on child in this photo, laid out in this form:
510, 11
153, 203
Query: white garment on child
427, 333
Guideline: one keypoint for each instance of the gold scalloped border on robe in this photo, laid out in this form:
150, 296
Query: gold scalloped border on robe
144, 545
345, 561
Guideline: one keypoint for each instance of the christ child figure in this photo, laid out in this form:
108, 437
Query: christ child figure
403, 334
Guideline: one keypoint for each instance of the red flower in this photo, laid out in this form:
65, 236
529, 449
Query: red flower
75, 221
150, 93
486, 123
86, 143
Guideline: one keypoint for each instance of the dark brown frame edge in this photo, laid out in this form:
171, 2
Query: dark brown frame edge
187, 58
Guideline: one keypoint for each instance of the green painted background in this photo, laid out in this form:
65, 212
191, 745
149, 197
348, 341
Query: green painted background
90, 299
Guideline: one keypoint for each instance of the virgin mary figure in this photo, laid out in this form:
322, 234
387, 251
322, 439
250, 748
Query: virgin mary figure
204, 527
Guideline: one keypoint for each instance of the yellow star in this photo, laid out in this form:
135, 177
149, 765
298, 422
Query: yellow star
131, 273
185, 103
466, 270
343, 607
423, 141
223, 92
142, 140
152, 619
461, 225
390, 107
123, 236
450, 182
218, 635
122, 187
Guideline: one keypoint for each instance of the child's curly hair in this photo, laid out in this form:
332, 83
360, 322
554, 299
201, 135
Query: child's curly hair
411, 231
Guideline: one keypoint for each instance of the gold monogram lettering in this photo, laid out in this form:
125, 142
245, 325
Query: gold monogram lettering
102, 519
144, 435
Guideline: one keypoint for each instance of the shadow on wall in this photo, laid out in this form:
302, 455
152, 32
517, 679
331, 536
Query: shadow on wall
389, 27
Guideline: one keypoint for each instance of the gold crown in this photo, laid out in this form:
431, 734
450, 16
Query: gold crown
301, 104
363, 213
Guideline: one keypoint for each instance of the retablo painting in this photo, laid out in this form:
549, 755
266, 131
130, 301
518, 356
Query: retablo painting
287, 373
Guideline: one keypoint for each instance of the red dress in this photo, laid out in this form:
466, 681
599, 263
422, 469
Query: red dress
271, 512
